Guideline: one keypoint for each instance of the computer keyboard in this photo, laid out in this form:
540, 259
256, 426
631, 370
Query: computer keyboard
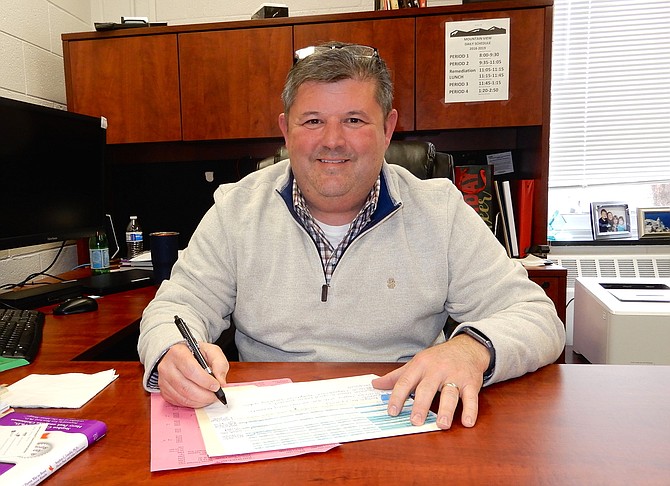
20, 333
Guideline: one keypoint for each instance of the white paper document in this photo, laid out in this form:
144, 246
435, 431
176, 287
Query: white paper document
302, 414
476, 58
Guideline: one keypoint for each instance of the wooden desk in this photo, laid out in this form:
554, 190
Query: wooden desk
68, 337
564, 424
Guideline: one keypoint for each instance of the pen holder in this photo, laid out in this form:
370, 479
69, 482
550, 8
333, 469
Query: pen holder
164, 251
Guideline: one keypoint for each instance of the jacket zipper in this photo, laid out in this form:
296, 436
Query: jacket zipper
326, 286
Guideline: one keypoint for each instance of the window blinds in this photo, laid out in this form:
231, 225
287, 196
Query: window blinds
610, 101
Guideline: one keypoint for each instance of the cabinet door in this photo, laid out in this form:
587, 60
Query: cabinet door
231, 82
132, 81
526, 75
393, 38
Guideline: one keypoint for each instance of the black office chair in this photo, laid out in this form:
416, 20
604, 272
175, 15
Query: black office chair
420, 158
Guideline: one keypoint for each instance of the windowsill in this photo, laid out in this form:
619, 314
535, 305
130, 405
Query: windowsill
614, 242
657, 247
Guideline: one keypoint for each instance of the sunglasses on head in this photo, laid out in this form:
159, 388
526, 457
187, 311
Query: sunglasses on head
356, 49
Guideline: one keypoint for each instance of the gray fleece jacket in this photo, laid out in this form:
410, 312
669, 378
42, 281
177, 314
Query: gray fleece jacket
425, 256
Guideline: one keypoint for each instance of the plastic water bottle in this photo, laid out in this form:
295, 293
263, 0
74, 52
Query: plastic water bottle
134, 240
98, 249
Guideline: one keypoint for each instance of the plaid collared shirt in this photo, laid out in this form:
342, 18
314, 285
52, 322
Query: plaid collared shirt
329, 255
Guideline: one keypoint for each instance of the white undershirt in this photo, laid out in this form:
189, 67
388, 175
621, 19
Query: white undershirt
334, 234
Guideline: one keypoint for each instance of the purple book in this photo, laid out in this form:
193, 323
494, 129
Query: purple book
63, 439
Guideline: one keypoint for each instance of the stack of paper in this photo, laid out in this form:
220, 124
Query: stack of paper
143, 260
264, 418
70, 390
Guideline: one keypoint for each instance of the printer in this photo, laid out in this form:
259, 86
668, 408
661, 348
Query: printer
622, 321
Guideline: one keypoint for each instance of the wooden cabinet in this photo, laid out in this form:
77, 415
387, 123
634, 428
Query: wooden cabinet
526, 75
554, 280
212, 89
231, 81
394, 39
131, 81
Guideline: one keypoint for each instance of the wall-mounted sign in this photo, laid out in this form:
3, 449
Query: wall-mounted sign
476, 60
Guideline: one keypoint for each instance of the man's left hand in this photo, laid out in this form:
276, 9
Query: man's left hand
454, 368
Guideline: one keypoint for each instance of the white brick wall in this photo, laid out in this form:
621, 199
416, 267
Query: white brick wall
31, 53
178, 12
31, 56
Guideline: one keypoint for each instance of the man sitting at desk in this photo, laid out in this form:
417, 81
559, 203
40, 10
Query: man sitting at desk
338, 256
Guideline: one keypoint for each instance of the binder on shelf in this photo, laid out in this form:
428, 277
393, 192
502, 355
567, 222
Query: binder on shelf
509, 226
501, 230
524, 193
508, 212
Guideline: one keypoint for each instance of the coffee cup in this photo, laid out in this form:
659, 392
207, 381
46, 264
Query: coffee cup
164, 251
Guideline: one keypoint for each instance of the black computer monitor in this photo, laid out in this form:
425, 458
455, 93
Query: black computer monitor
52, 166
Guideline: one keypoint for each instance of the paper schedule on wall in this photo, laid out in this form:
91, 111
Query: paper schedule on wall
476, 60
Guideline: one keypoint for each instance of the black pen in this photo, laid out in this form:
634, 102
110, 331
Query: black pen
195, 349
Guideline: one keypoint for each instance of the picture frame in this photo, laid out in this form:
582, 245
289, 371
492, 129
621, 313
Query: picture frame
653, 222
610, 220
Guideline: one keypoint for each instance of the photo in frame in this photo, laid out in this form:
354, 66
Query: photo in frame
653, 222
610, 220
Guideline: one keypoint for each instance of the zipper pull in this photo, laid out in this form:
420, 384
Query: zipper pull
324, 292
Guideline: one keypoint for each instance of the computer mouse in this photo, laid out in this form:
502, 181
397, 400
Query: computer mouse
76, 305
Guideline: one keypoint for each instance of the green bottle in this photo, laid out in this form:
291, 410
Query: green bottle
98, 248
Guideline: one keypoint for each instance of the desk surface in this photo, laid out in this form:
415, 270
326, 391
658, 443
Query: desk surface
564, 424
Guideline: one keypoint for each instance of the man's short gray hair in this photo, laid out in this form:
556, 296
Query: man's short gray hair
337, 64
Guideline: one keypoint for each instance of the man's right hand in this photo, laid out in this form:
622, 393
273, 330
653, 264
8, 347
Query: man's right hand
183, 382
